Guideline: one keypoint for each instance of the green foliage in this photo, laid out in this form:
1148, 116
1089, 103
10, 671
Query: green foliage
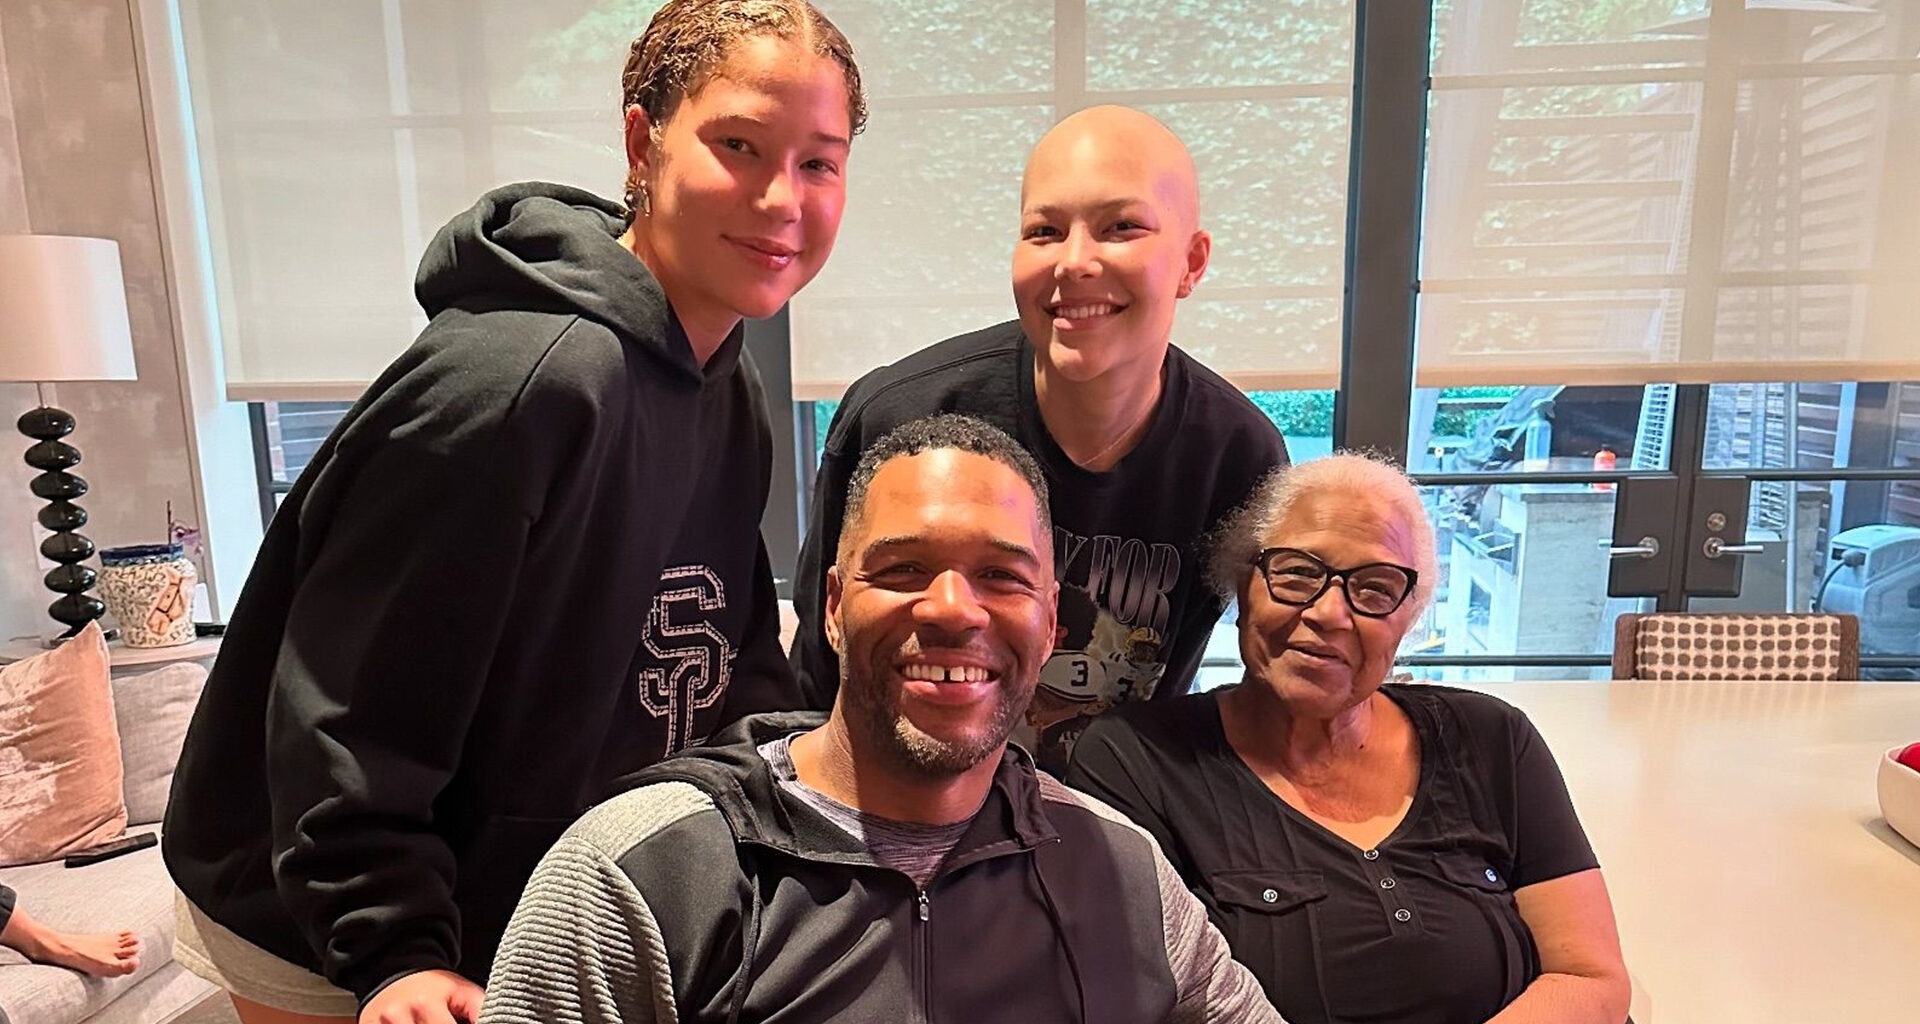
1293, 413
822, 419
1297, 413
1454, 420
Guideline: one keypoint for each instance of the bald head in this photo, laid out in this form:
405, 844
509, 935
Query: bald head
1110, 240
1123, 146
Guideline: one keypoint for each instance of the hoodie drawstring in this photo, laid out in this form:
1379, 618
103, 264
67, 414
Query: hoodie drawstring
1060, 927
750, 866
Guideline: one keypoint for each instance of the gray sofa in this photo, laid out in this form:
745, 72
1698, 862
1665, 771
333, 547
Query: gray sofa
151, 709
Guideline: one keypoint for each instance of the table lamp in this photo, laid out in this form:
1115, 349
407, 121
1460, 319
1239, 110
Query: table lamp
63, 317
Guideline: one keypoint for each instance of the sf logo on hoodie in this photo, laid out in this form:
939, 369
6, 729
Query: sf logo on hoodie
693, 660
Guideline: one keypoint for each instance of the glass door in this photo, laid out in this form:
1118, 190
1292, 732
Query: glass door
1621, 211
1523, 485
1831, 474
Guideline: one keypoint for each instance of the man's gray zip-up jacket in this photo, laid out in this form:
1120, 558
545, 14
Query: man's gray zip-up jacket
705, 893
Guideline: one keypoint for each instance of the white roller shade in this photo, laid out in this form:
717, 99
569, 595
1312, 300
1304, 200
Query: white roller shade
960, 92
335, 138
1727, 193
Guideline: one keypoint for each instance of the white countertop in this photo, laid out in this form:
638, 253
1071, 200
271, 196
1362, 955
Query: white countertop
1740, 835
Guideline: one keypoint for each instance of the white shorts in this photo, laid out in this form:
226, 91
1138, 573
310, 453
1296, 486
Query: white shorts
209, 950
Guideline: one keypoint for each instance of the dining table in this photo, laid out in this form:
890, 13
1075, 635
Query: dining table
1752, 874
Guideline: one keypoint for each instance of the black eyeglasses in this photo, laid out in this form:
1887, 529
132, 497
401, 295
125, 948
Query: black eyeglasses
1297, 578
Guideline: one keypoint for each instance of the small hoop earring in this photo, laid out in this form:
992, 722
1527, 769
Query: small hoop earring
643, 204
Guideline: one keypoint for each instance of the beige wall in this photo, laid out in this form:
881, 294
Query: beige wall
74, 160
18, 582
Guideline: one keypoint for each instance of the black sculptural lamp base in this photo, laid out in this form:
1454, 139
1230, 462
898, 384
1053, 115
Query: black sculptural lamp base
74, 608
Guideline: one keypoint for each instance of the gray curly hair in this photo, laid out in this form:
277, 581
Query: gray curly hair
687, 38
1244, 532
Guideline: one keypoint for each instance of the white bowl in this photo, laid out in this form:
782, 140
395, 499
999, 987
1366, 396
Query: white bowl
1900, 796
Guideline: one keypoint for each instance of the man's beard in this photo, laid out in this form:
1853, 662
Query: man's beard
874, 708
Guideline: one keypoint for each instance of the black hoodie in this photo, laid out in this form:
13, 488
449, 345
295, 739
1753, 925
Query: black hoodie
525, 564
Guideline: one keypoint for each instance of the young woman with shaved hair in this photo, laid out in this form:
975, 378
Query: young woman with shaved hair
1144, 447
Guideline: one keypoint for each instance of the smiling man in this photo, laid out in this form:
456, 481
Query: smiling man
897, 855
1143, 446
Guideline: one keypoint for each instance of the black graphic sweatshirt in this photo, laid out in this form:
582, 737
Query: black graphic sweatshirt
1134, 600
526, 563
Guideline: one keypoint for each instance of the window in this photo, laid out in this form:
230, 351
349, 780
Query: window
1833, 502
1638, 191
286, 436
1659, 238
1304, 418
336, 138
1633, 207
1258, 91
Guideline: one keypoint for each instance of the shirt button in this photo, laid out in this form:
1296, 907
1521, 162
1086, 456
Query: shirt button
1269, 896
1371, 855
1387, 883
1492, 876
1403, 915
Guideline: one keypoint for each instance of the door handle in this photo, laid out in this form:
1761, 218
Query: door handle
1647, 548
1715, 547
1643, 507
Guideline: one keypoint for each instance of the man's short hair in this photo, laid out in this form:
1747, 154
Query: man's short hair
932, 433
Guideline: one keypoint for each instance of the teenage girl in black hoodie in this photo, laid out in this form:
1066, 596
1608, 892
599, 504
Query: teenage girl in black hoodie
527, 561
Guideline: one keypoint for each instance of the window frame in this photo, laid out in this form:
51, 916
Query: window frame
1374, 401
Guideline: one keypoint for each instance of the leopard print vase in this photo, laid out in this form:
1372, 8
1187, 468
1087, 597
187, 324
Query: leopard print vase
149, 590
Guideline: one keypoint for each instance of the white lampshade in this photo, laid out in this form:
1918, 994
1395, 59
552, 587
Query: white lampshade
63, 310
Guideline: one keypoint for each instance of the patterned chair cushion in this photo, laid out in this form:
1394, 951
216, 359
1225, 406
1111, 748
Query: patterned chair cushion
1789, 647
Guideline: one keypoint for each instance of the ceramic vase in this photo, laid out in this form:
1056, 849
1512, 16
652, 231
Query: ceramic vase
149, 590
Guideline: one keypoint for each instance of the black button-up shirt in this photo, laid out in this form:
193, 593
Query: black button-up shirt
1421, 928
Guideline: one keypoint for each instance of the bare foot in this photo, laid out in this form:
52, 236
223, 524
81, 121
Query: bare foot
103, 956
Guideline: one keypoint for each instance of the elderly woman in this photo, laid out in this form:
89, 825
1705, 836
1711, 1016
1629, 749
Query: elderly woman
1373, 851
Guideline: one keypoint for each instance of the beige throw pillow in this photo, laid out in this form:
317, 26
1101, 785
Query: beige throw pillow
153, 710
60, 769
